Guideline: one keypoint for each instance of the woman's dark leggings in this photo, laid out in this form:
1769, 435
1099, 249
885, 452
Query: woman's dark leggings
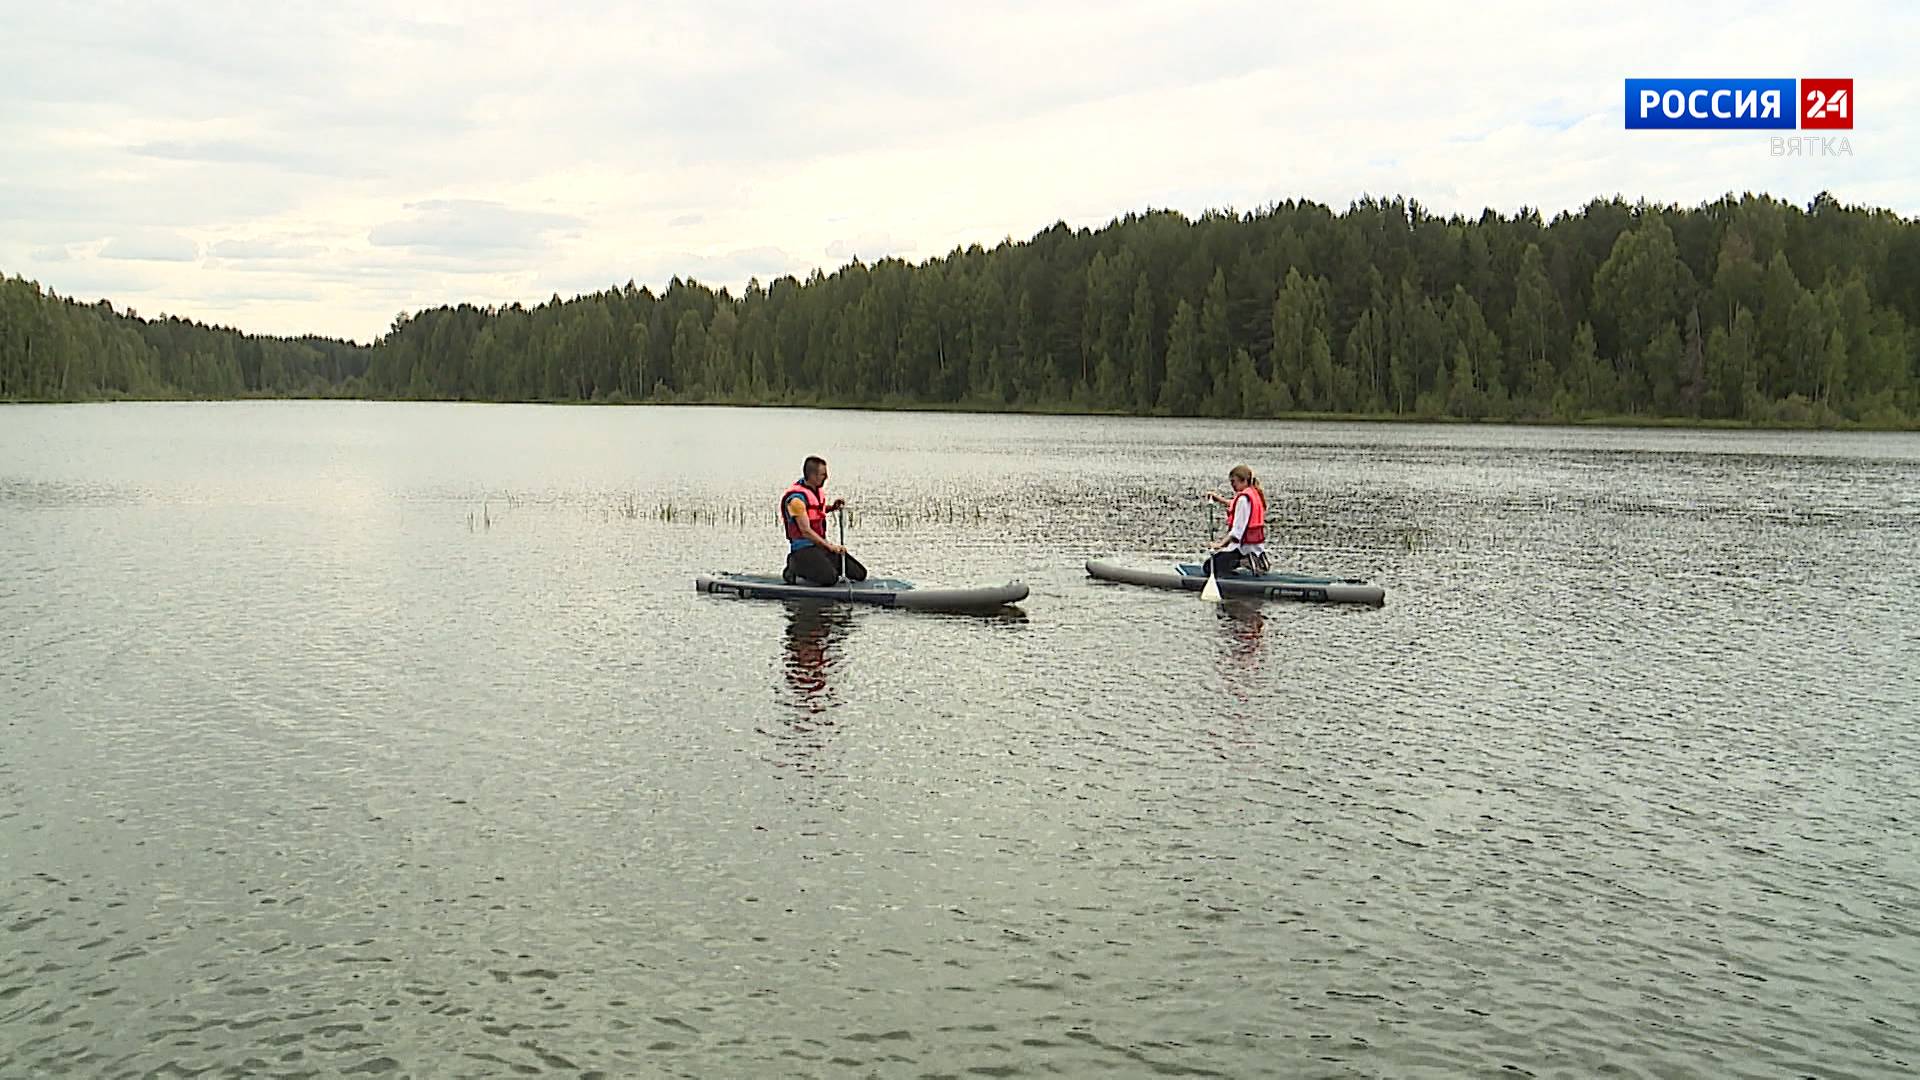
1225, 562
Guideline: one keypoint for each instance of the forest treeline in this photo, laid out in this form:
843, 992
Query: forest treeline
1744, 309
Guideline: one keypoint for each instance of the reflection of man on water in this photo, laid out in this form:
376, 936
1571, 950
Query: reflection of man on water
813, 637
799, 731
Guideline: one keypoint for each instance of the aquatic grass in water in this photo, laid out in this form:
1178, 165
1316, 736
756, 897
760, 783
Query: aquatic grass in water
897, 515
673, 513
482, 519
935, 512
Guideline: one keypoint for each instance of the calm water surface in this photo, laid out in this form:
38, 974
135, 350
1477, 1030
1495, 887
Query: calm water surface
372, 739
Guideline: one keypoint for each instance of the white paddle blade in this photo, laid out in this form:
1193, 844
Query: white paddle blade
1211, 594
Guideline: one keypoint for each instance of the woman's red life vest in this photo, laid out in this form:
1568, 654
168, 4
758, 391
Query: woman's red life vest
816, 512
1256, 516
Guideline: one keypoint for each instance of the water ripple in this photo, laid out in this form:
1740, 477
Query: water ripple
380, 740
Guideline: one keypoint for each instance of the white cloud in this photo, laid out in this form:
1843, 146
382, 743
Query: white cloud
469, 227
263, 249
338, 166
730, 270
868, 247
152, 244
260, 153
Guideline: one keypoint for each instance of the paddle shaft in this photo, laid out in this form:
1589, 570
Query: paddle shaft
1208, 557
1210, 592
841, 515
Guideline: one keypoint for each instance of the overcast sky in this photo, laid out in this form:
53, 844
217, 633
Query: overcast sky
320, 168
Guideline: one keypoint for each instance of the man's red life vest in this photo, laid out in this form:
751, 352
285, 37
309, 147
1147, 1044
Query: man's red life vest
1256, 532
816, 513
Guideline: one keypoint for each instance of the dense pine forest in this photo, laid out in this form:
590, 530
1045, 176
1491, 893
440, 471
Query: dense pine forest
1747, 310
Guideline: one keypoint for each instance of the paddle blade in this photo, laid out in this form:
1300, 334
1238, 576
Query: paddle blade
1211, 594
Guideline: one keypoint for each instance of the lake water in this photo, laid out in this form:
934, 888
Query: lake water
388, 739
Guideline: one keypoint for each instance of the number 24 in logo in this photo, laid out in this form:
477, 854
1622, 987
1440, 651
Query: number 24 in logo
1826, 103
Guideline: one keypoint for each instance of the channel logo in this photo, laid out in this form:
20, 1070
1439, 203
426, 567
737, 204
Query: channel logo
1740, 104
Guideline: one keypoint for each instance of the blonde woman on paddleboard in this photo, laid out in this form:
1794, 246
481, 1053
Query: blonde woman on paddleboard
1245, 544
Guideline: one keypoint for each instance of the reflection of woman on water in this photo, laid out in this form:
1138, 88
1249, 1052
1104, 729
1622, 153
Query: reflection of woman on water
1246, 624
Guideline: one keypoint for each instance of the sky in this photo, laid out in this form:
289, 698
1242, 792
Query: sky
292, 169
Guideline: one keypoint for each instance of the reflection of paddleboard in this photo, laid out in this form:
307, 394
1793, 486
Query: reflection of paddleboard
885, 592
1273, 585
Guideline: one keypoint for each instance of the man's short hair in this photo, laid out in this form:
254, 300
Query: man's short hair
812, 465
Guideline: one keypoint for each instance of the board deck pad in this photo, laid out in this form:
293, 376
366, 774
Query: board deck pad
1278, 577
869, 585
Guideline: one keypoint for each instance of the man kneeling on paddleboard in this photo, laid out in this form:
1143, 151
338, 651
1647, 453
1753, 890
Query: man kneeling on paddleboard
1246, 541
811, 557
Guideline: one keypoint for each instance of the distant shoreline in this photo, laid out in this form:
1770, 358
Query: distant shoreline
987, 408
1742, 313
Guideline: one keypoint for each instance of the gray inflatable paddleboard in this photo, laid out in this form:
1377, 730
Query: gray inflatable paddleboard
883, 592
1274, 585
